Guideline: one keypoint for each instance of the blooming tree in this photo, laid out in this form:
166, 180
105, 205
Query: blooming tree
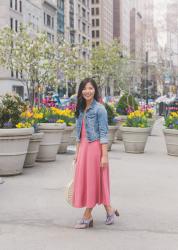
33, 56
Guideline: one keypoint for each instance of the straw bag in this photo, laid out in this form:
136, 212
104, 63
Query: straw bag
69, 188
69, 192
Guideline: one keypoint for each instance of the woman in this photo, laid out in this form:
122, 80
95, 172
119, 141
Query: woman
91, 181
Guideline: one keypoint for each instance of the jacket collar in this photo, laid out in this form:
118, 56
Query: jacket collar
92, 105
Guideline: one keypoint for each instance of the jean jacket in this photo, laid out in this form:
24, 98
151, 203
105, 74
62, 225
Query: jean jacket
96, 123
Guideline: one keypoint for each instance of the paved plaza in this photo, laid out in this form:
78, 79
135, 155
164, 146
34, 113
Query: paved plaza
144, 188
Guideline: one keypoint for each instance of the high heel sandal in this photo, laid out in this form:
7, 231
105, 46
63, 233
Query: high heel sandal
110, 217
84, 223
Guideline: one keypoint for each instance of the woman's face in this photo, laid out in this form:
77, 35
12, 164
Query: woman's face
88, 92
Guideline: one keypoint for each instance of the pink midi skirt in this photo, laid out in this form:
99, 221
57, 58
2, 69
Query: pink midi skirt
91, 181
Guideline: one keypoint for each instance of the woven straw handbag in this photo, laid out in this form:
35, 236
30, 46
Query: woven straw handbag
69, 188
69, 192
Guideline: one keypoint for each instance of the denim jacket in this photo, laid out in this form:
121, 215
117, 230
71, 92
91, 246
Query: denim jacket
96, 123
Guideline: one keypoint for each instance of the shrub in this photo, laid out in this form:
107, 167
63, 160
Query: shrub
111, 114
126, 104
11, 107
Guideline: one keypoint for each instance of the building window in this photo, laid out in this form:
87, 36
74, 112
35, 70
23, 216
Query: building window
11, 5
52, 22
93, 34
93, 1
16, 25
97, 1
97, 33
48, 20
83, 27
97, 22
93, 22
17, 74
97, 11
11, 23
83, 13
15, 4
92, 11
12, 73
20, 6
44, 18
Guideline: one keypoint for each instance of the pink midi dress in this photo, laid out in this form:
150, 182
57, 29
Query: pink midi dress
91, 181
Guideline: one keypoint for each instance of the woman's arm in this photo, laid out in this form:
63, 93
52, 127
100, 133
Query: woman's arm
104, 155
76, 153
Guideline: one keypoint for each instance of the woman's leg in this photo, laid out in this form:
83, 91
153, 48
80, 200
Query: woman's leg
109, 209
87, 214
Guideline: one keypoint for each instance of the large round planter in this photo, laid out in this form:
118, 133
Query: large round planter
171, 139
122, 119
50, 143
111, 135
134, 139
33, 149
73, 136
65, 140
13, 149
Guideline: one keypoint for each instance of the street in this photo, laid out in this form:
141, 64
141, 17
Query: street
144, 188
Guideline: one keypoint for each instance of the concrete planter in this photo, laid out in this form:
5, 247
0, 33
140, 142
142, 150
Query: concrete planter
171, 139
122, 119
65, 139
73, 137
13, 149
33, 149
50, 143
111, 135
135, 139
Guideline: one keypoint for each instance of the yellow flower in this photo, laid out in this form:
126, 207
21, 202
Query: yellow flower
38, 116
60, 121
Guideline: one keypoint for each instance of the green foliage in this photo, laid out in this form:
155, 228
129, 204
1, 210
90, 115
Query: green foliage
171, 121
111, 114
11, 107
126, 104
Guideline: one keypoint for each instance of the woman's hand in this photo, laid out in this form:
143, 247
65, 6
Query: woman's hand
104, 161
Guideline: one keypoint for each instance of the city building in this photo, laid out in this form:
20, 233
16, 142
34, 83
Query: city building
102, 21
121, 23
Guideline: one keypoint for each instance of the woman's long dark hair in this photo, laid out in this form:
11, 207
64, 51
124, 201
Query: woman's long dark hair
81, 103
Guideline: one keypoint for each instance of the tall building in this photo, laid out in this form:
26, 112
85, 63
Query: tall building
83, 31
172, 44
41, 15
102, 21
121, 22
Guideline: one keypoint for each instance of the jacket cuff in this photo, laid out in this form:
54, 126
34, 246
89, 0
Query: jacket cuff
104, 140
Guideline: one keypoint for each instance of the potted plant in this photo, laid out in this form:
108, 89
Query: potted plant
33, 148
49, 122
14, 136
112, 124
171, 133
67, 116
135, 132
125, 105
149, 113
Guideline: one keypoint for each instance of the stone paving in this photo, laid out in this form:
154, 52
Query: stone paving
144, 187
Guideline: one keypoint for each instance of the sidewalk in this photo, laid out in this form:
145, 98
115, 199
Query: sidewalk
144, 188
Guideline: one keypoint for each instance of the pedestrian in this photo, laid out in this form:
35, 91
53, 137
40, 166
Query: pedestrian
91, 179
